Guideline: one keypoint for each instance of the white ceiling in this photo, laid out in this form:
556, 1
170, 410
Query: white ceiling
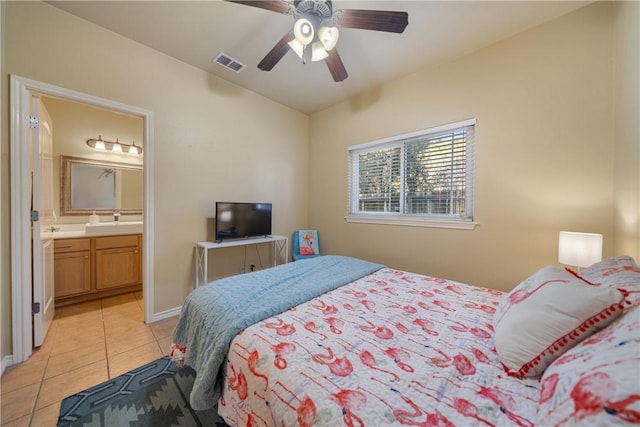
196, 31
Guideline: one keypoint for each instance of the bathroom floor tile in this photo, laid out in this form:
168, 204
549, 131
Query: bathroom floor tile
60, 363
130, 359
20, 402
87, 343
56, 388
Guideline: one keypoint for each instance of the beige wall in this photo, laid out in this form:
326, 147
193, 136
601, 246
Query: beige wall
544, 105
627, 129
73, 124
213, 140
548, 126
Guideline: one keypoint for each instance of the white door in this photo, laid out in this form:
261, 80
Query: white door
42, 229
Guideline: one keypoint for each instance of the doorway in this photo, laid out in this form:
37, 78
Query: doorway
22, 90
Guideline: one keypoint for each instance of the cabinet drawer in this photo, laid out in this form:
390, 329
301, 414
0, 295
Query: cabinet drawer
109, 242
71, 245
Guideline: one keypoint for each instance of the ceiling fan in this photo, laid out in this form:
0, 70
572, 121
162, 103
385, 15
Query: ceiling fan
315, 31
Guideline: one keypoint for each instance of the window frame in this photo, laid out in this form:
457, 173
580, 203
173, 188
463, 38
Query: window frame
404, 219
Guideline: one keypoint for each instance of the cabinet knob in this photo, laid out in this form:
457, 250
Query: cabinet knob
86, 257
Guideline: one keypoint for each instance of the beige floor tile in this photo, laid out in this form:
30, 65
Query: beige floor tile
75, 343
23, 374
121, 343
164, 328
65, 333
60, 363
122, 326
130, 309
75, 318
19, 422
74, 357
47, 416
47, 345
123, 316
165, 344
56, 388
18, 403
133, 358
79, 322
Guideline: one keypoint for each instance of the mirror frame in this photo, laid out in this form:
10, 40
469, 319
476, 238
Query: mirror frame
65, 185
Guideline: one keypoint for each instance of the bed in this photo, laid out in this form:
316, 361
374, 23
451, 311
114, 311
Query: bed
339, 341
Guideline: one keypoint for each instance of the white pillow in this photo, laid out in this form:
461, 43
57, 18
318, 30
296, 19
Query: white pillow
546, 315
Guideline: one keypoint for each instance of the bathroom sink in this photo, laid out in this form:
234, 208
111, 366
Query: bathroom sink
112, 228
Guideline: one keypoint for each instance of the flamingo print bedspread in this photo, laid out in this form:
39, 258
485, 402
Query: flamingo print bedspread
391, 348
212, 315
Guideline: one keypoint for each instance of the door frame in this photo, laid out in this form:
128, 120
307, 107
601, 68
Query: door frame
21, 89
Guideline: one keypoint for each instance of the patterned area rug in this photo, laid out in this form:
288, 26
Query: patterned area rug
155, 394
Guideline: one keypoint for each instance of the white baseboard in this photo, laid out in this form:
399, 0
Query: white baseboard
6, 362
166, 314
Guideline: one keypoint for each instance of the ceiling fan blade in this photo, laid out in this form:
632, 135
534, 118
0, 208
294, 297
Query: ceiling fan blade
377, 20
279, 6
336, 67
276, 53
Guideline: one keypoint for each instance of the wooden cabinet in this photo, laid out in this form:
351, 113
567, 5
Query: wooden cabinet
72, 266
94, 267
117, 261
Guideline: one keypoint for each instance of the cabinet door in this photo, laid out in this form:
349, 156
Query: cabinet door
117, 267
72, 273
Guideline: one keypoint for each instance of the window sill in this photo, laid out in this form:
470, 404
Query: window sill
412, 221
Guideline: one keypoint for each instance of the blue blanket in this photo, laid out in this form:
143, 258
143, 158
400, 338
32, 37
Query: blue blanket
212, 315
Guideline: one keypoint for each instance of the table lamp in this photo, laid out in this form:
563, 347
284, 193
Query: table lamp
579, 249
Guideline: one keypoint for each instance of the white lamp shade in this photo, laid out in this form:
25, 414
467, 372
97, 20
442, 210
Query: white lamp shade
100, 145
303, 31
579, 249
328, 36
117, 148
133, 149
318, 53
297, 47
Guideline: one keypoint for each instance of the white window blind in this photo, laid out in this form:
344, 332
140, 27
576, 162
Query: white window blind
426, 175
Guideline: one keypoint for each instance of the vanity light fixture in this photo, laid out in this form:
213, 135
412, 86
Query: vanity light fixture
133, 149
116, 147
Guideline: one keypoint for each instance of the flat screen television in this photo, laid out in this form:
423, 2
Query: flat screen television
235, 220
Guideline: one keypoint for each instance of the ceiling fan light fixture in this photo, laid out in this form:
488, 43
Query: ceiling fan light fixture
297, 47
303, 31
318, 52
328, 36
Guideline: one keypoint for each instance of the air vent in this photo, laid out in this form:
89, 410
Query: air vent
228, 62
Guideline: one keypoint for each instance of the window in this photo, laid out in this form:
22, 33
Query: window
423, 179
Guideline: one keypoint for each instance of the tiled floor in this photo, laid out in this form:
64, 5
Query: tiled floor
87, 343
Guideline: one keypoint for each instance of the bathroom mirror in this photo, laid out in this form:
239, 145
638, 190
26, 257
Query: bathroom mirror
88, 185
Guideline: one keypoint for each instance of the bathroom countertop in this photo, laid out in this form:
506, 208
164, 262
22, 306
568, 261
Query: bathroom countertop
69, 231
69, 234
